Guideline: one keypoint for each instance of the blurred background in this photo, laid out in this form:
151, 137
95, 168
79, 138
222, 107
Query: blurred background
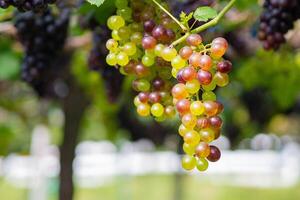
118, 155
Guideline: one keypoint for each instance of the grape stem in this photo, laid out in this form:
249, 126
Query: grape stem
207, 25
185, 29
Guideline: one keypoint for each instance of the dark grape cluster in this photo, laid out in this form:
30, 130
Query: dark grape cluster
27, 5
43, 36
111, 76
277, 19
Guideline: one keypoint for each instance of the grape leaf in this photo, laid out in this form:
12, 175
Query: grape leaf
96, 2
184, 18
205, 13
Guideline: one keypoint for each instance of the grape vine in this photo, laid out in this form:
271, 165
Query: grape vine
172, 72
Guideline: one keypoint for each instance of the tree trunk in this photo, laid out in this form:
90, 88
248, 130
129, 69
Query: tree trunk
73, 106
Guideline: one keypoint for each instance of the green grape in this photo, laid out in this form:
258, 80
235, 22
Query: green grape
121, 3
182, 130
209, 96
161, 118
158, 49
148, 60
174, 72
207, 135
210, 87
111, 59
125, 12
122, 59
136, 101
136, 38
202, 164
197, 108
178, 62
115, 22
136, 27
143, 85
164, 73
157, 110
188, 149
124, 33
114, 35
129, 48
143, 109
192, 137
188, 162
150, 53
112, 45
221, 79
168, 53
192, 86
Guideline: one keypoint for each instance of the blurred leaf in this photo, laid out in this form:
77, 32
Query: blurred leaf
9, 66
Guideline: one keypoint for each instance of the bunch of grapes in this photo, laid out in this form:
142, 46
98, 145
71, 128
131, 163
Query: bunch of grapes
169, 79
43, 36
27, 5
276, 20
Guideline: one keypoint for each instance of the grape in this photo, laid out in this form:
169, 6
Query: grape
211, 108
178, 62
209, 95
192, 86
143, 97
136, 38
191, 137
194, 59
185, 52
140, 70
202, 164
137, 101
124, 33
203, 123
154, 97
115, 22
221, 79
197, 108
143, 85
222, 41
216, 122
129, 48
158, 83
207, 135
115, 35
205, 62
158, 49
194, 40
217, 50
157, 110
111, 59
179, 91
224, 66
189, 73
125, 13
148, 42
188, 149
202, 150
121, 4
183, 106
168, 53
204, 77
159, 32
182, 130
149, 25
189, 120
188, 162
122, 59
148, 60
111, 44
143, 109
170, 111
215, 154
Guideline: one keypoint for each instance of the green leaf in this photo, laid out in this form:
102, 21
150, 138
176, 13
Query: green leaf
96, 2
184, 18
205, 13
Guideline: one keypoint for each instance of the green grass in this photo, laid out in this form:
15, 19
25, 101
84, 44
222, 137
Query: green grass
157, 187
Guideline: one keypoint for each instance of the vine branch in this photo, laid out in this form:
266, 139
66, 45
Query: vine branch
207, 25
170, 15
